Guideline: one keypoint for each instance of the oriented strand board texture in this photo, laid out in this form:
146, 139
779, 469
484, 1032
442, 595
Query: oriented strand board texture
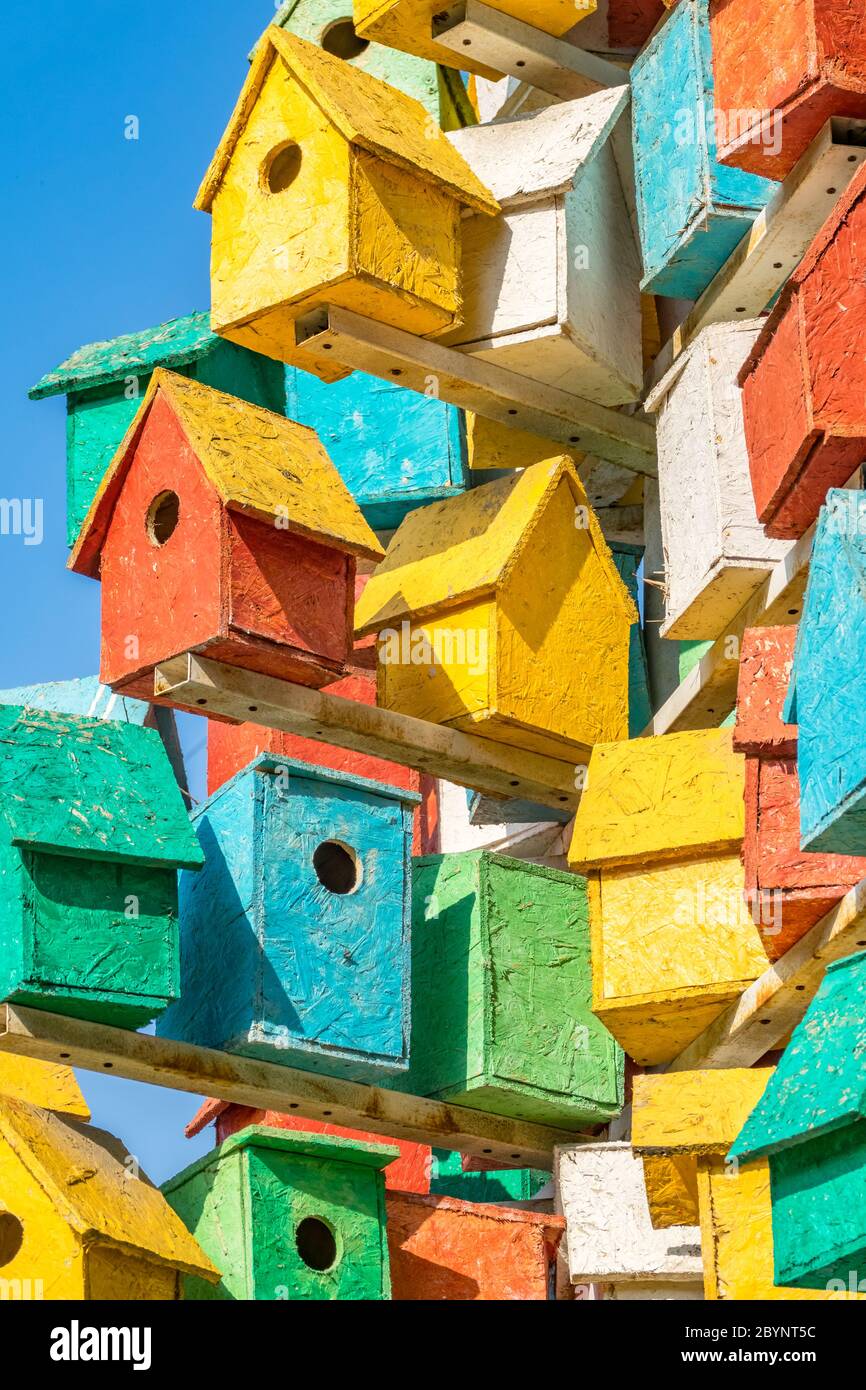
501, 1015
671, 1182
692, 211
716, 553
444, 1249
766, 666
694, 1112
609, 1234
45, 1084
246, 1203
804, 61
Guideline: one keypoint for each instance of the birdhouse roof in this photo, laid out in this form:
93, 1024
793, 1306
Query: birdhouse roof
257, 462
91, 1182
86, 695
694, 1112
171, 344
367, 113
820, 1082
295, 768
766, 663
89, 788
465, 547
655, 799
534, 156
327, 1147
49, 1085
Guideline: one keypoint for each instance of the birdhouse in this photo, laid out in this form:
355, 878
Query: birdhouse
609, 1235
830, 677
445, 1249
408, 25
716, 553
790, 889
104, 383
810, 1126
501, 613
782, 71
295, 938
288, 1216
472, 1179
501, 1016
658, 832
79, 1220
550, 288
394, 449
329, 23
804, 409
223, 529
692, 1115
92, 831
408, 1173
316, 142
619, 28
627, 559
48, 1085
692, 210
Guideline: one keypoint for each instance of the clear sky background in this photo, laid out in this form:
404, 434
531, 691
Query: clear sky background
100, 239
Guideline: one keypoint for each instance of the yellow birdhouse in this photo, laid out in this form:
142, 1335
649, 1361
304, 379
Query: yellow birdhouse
46, 1084
331, 187
501, 613
691, 1119
79, 1221
658, 833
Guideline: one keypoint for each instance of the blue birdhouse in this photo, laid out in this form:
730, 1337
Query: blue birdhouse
295, 940
692, 211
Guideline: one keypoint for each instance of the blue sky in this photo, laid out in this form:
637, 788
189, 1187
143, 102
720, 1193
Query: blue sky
101, 239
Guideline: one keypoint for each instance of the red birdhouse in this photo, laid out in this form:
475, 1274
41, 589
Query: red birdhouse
790, 890
223, 529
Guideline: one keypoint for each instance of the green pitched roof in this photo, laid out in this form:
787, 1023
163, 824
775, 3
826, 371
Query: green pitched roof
170, 344
330, 1147
85, 787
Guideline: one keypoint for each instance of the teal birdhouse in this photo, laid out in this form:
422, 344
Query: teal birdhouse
92, 832
288, 1215
810, 1124
105, 383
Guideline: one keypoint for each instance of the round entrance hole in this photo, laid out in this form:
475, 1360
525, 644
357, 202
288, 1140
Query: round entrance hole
282, 167
163, 515
11, 1237
337, 867
317, 1245
341, 39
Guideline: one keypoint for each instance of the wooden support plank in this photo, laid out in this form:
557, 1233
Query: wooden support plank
763, 1016
709, 692
207, 687
474, 384
266, 1086
757, 269
509, 46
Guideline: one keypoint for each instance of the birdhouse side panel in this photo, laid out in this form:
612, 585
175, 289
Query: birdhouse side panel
830, 337
15, 930
818, 1194
47, 1259
96, 423
780, 861
160, 599
511, 274
262, 253
439, 668
213, 1205
115, 1275
241, 373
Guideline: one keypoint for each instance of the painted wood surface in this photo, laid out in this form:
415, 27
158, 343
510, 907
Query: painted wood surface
264, 1204
295, 936
550, 286
803, 402
781, 71
501, 996
619, 27
766, 666
716, 553
44, 1084
463, 580
392, 185
88, 1224
445, 1249
609, 1236
692, 210
627, 559
473, 1179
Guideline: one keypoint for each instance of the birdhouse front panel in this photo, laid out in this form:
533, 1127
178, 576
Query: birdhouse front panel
782, 71
803, 405
284, 1216
37, 1245
501, 1017
766, 666
305, 891
692, 210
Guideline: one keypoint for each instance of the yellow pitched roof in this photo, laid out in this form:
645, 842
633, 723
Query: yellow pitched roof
366, 111
87, 1175
458, 549
257, 462
46, 1084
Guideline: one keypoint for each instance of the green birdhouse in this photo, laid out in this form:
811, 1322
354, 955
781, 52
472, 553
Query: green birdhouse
502, 1015
92, 832
288, 1215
